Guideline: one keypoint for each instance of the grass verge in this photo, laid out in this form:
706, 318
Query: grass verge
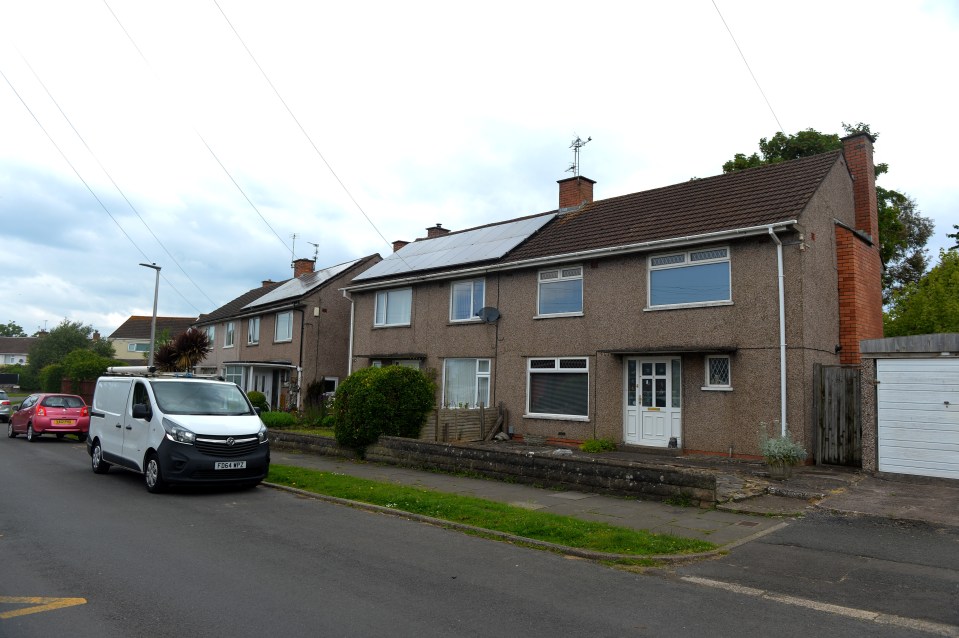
541, 526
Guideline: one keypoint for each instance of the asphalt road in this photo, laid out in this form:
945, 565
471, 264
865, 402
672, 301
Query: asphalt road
265, 562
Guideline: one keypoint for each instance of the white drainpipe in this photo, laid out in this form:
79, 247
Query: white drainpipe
349, 363
782, 332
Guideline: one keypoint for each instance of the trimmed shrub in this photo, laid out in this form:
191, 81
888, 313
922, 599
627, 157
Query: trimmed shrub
372, 401
50, 377
258, 399
278, 419
598, 445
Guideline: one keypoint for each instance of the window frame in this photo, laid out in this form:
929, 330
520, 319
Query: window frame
707, 383
376, 307
276, 327
478, 373
558, 369
560, 276
135, 347
688, 262
211, 333
472, 318
253, 331
229, 336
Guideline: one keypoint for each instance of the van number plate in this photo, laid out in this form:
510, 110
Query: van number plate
229, 465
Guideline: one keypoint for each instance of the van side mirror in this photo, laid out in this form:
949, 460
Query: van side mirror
142, 411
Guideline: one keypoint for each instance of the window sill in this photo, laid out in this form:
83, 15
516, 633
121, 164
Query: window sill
680, 306
283, 340
252, 343
392, 325
556, 417
464, 322
559, 315
716, 388
229, 346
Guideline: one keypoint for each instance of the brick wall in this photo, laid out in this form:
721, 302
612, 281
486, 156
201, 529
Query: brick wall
860, 293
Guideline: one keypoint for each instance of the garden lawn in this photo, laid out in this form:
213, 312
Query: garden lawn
541, 526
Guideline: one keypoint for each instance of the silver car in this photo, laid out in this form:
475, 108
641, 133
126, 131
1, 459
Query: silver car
5, 407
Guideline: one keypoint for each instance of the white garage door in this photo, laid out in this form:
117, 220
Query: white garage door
919, 416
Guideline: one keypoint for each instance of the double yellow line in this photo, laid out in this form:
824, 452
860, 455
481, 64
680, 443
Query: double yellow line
39, 604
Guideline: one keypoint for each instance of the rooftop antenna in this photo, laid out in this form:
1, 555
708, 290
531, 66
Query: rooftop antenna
316, 250
576, 145
293, 249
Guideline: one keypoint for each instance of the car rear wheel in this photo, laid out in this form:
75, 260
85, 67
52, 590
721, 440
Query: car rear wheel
31, 435
81, 437
10, 431
96, 459
152, 475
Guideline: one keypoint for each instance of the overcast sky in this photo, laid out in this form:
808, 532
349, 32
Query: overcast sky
145, 132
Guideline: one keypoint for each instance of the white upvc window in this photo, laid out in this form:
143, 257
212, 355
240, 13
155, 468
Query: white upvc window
138, 347
466, 299
691, 278
558, 388
234, 374
718, 373
228, 336
253, 331
393, 307
466, 383
560, 291
284, 326
211, 333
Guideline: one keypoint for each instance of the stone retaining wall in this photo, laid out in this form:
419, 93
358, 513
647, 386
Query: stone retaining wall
588, 474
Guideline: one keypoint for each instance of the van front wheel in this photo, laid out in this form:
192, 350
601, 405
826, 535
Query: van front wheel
152, 475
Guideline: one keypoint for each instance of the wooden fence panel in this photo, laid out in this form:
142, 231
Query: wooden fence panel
837, 406
458, 424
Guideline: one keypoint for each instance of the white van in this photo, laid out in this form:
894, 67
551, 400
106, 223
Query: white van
176, 430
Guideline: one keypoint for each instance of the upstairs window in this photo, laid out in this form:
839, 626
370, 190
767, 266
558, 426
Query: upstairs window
561, 291
284, 326
138, 347
393, 307
253, 331
228, 337
696, 277
466, 299
211, 333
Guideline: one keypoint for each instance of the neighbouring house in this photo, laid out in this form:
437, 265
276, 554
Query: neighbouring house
682, 316
131, 341
282, 336
15, 350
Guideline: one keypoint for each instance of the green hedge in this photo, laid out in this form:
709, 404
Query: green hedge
277, 419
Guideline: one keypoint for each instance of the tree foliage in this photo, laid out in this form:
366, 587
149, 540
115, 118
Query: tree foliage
184, 352
954, 236
929, 306
11, 329
55, 345
903, 231
372, 401
84, 364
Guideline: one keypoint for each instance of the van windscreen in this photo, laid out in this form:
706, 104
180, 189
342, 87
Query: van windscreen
190, 397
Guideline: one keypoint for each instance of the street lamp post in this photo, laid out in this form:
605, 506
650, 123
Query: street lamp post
153, 323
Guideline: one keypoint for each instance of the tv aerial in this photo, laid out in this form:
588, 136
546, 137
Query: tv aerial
316, 250
577, 144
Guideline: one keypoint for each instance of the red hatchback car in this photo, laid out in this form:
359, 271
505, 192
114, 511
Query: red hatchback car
58, 414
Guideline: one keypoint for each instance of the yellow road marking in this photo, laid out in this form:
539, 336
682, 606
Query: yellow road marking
40, 603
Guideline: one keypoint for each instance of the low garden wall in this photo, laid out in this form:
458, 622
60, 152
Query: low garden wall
588, 474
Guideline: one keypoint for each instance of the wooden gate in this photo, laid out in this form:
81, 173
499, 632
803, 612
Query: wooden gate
836, 404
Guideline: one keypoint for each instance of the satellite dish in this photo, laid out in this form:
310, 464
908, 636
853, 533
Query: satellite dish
488, 314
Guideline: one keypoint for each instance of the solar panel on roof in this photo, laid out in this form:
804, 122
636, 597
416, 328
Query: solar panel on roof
481, 244
301, 285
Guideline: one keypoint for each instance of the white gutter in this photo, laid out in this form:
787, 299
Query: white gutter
583, 254
782, 332
349, 361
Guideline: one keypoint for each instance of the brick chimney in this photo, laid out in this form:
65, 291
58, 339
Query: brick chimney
302, 267
268, 282
857, 150
399, 243
436, 231
575, 192
857, 255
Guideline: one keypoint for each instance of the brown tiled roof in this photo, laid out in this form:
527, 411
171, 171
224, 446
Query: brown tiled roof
233, 307
138, 327
743, 199
16, 345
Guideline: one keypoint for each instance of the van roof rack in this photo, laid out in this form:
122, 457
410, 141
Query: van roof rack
151, 371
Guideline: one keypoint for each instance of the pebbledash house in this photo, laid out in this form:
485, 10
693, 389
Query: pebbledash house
681, 316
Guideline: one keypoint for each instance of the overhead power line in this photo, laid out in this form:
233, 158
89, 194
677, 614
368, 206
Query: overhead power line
743, 56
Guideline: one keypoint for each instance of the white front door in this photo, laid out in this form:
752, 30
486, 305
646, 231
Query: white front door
653, 401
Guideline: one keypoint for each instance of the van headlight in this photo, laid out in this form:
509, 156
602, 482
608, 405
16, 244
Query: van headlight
178, 433
261, 435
